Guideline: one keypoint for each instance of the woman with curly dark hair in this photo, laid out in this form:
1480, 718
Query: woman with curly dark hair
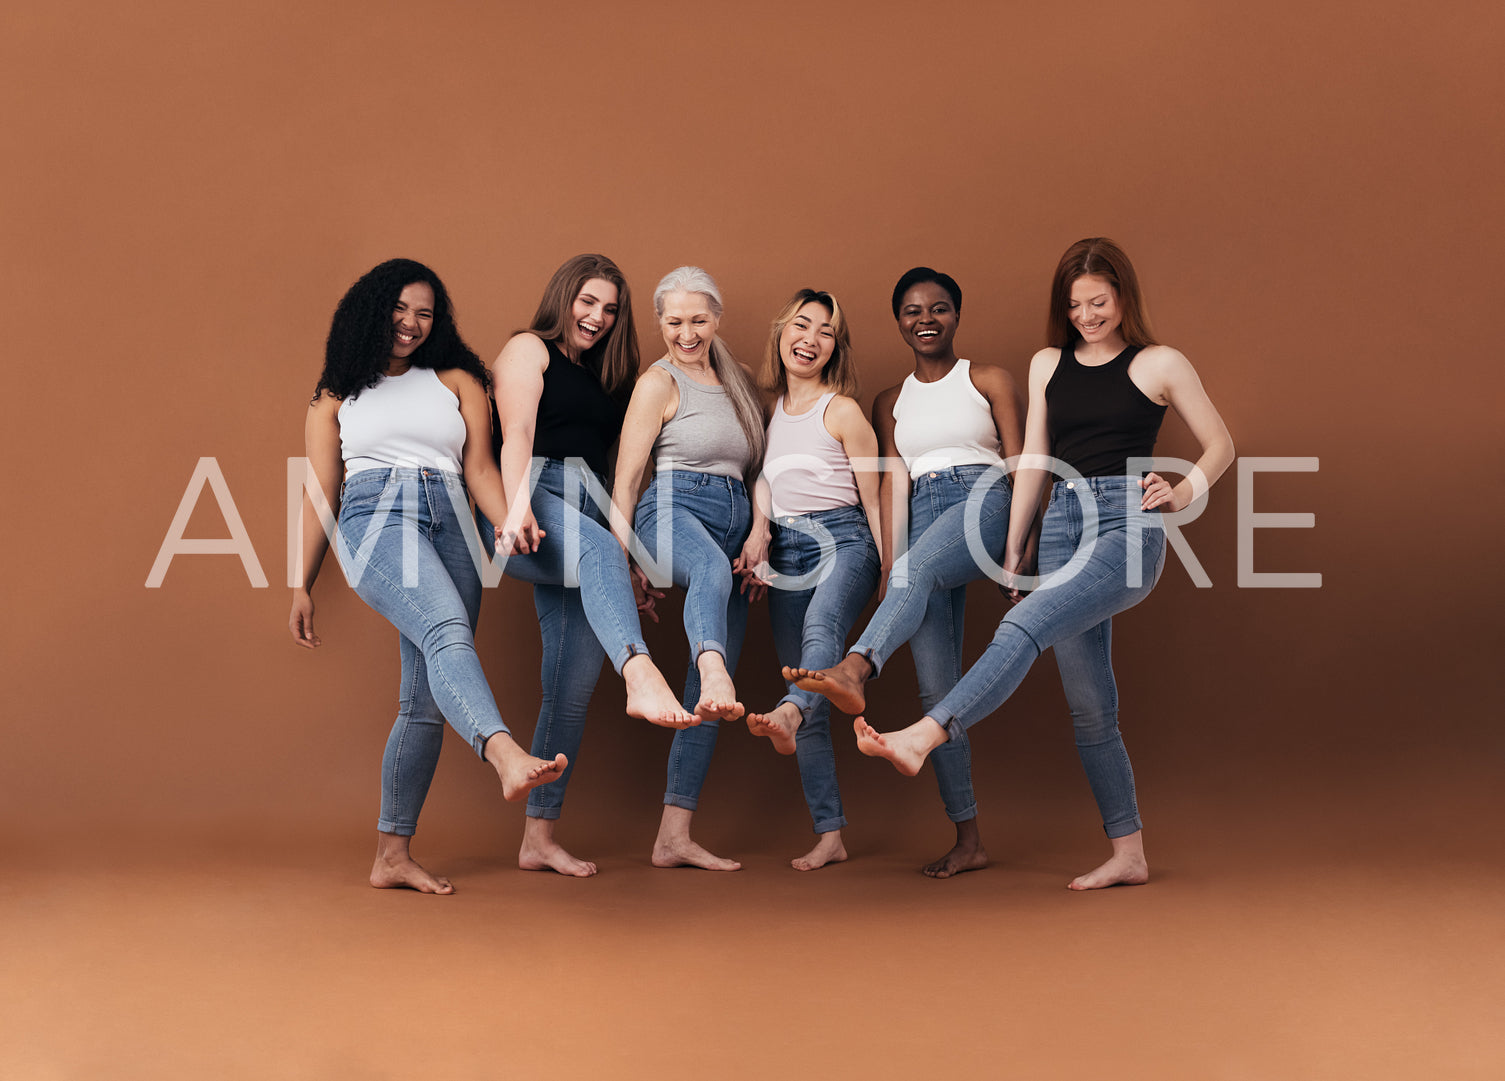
562, 391
402, 413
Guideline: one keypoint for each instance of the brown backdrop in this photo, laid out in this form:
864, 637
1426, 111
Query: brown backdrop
1310, 193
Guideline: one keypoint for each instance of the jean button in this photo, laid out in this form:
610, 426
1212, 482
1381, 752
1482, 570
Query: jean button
1070, 484
932, 476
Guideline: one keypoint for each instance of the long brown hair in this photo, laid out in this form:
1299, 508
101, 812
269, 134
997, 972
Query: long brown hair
618, 351
1101, 258
840, 372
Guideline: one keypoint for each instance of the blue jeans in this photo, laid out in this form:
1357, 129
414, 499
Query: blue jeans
810, 629
586, 612
709, 518
929, 611
404, 549
1072, 611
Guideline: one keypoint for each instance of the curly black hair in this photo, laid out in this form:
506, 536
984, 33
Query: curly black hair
360, 336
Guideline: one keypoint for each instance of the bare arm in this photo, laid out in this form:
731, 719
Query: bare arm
893, 486
517, 380
1033, 473
1172, 380
654, 400
844, 420
482, 476
321, 441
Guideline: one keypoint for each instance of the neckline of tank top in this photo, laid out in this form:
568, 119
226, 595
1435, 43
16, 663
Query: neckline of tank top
915, 378
714, 388
825, 396
1070, 351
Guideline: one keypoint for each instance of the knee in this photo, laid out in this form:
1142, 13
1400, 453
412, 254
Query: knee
448, 635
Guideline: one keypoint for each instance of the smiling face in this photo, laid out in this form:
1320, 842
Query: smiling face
592, 316
808, 340
1093, 310
688, 326
412, 319
928, 319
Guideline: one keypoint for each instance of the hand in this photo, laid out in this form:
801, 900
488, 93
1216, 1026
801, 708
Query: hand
522, 541
1157, 492
301, 621
643, 592
1015, 568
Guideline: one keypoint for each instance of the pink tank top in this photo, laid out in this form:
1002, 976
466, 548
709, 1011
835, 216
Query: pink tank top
806, 466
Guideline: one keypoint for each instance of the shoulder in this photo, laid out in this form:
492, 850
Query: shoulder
461, 382
1043, 364
991, 379
524, 349
844, 410
325, 405
883, 404
1162, 358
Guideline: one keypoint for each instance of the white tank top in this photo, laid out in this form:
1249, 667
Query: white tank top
806, 466
411, 420
946, 423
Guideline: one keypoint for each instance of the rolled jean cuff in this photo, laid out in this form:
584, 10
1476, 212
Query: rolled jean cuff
869, 654
947, 720
550, 811
401, 829
1123, 829
626, 653
689, 803
965, 815
708, 645
801, 702
831, 825
484, 734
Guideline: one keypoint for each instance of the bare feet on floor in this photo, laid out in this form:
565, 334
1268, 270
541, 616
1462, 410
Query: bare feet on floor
843, 685
906, 748
396, 869
649, 697
828, 849
519, 771
718, 697
540, 852
1126, 867
673, 847
779, 726
966, 855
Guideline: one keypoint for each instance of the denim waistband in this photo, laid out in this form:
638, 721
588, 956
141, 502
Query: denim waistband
701, 480
1100, 485
386, 476
830, 514
957, 474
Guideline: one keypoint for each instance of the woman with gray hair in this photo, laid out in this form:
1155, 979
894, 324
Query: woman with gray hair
696, 412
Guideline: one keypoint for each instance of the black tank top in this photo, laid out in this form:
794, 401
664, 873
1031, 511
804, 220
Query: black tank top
577, 418
1097, 417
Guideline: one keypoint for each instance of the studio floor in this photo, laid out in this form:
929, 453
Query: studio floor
1332, 942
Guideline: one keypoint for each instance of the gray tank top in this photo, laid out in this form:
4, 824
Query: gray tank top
703, 435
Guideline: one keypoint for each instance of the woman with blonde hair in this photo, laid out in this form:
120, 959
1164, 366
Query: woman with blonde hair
815, 521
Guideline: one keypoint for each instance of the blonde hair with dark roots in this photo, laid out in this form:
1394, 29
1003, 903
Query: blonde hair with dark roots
618, 351
840, 372
739, 385
1096, 257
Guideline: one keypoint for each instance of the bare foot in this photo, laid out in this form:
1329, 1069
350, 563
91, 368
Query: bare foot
396, 869
540, 852
673, 847
519, 771
718, 697
828, 849
649, 697
906, 748
843, 685
966, 855
779, 726
1126, 867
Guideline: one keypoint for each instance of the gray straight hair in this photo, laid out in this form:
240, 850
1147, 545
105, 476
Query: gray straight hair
746, 401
